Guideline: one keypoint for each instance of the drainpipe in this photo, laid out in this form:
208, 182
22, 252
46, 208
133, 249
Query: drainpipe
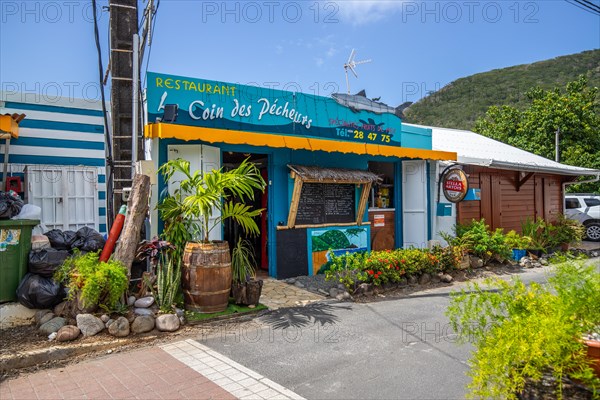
564, 189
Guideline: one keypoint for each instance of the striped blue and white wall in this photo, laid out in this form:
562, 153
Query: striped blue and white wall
57, 132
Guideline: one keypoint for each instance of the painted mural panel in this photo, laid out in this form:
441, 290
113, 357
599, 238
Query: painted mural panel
338, 241
222, 105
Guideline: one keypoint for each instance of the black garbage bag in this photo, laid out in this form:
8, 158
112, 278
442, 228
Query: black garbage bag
9, 205
45, 262
60, 240
35, 291
88, 240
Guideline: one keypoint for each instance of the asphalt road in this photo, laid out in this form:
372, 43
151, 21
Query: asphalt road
391, 349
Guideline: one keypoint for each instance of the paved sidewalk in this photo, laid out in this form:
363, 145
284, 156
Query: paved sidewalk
278, 294
180, 370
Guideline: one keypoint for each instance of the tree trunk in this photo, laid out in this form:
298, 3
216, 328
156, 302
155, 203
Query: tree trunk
137, 208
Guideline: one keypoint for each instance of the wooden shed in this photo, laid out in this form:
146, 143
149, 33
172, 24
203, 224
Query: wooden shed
512, 184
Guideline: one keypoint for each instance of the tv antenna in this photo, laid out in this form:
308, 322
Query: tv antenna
351, 65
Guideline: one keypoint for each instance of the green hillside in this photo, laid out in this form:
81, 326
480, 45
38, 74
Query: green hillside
460, 103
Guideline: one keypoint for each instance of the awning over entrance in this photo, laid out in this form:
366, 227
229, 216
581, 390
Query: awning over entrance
337, 175
170, 131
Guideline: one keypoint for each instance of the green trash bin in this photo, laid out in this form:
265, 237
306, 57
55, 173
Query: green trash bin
15, 243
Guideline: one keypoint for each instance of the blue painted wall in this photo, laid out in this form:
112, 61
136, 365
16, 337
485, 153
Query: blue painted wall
280, 189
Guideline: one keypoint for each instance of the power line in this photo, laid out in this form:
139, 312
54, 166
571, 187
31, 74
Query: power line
584, 7
590, 4
109, 180
150, 43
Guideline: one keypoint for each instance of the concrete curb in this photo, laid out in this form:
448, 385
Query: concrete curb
55, 353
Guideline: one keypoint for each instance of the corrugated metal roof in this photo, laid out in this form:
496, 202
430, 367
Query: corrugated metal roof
475, 149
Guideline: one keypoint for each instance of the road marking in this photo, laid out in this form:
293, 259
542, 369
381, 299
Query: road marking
238, 380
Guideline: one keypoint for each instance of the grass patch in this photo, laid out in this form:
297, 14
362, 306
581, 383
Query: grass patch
230, 310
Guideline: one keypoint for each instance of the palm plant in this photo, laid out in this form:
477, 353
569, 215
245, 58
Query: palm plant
201, 195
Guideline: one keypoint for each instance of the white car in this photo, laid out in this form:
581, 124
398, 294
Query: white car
585, 208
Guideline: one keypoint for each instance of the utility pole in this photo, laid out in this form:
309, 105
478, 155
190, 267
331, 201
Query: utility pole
123, 25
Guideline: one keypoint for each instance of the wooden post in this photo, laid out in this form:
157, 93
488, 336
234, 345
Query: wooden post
294, 202
362, 205
137, 208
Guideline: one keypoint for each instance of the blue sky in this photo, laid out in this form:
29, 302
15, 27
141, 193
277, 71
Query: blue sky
48, 46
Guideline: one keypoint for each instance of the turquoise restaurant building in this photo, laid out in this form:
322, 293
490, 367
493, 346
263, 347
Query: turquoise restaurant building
343, 173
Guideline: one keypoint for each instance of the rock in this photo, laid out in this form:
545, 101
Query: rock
465, 263
144, 311
131, 316
142, 324
52, 326
89, 324
119, 327
167, 323
144, 302
47, 317
68, 333
343, 296
403, 282
63, 309
313, 289
412, 280
436, 279
299, 284
52, 336
131, 301
180, 313
39, 314
341, 286
104, 318
536, 265
424, 279
107, 323
333, 292
291, 281
543, 261
446, 278
323, 292
364, 288
475, 262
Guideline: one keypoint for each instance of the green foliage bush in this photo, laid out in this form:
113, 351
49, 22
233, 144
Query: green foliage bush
97, 283
476, 238
380, 267
520, 332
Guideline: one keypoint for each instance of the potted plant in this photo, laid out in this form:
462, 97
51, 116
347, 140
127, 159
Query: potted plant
566, 232
200, 204
245, 288
518, 244
524, 332
539, 232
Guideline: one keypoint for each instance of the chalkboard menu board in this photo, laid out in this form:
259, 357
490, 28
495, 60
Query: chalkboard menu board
326, 203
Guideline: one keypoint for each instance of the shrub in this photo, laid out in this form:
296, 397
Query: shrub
515, 241
478, 239
380, 267
521, 331
96, 283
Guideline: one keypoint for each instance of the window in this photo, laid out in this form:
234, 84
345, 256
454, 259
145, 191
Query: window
592, 202
572, 203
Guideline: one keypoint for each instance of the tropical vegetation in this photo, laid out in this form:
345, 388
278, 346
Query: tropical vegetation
93, 282
522, 331
204, 200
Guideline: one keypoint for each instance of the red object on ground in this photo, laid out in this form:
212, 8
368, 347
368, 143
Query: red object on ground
114, 234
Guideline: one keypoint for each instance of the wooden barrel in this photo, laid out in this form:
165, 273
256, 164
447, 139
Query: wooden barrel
206, 276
